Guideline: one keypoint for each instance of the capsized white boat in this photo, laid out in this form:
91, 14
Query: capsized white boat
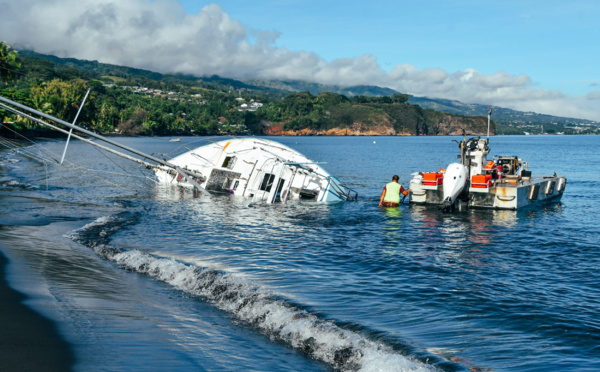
256, 168
502, 183
259, 169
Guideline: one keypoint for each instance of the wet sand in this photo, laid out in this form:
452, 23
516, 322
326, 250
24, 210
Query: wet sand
28, 341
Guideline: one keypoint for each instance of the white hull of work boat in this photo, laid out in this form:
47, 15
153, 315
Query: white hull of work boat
259, 169
506, 182
509, 193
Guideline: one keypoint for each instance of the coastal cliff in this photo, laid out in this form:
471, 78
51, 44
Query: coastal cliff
433, 124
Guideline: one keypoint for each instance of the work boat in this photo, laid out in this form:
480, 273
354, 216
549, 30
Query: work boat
502, 183
259, 169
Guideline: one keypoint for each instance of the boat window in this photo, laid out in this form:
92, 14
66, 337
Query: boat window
267, 182
279, 186
235, 185
308, 194
229, 162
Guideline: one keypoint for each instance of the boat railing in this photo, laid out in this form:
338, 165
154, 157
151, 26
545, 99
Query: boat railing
341, 190
336, 186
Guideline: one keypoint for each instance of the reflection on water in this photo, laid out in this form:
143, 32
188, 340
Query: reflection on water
457, 240
392, 230
505, 218
393, 213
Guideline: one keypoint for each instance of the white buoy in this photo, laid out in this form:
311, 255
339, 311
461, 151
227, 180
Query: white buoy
373, 141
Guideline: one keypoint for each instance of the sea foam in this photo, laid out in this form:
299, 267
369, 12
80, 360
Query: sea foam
257, 306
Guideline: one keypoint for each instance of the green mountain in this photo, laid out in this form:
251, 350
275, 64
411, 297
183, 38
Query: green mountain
135, 101
508, 118
296, 86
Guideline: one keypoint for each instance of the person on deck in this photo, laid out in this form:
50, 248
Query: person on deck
390, 197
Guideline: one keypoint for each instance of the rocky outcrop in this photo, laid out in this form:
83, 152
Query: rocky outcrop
446, 124
440, 125
355, 130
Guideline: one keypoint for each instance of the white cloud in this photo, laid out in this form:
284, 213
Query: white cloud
595, 95
159, 36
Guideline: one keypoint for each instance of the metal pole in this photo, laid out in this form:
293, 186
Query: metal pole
139, 161
71, 131
92, 134
489, 116
85, 131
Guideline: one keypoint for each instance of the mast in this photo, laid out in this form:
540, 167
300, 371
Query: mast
165, 163
489, 117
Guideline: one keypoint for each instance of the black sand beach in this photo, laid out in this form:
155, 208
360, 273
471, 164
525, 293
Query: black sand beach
28, 341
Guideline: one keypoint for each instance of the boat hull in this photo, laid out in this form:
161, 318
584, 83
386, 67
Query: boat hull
507, 193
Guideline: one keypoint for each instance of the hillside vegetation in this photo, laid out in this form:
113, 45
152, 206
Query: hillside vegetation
132, 101
507, 121
335, 114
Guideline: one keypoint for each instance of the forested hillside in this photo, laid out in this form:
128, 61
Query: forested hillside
335, 114
130, 101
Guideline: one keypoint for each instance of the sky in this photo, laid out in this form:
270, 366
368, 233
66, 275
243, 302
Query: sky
528, 55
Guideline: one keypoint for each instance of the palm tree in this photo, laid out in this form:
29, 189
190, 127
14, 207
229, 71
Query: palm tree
9, 62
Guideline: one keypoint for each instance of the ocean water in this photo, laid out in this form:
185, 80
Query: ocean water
140, 276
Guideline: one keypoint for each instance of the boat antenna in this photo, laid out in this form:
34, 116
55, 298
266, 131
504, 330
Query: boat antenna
462, 145
489, 116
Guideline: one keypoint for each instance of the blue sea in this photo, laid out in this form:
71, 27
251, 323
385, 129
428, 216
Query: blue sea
140, 276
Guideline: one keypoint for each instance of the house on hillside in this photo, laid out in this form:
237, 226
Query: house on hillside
253, 106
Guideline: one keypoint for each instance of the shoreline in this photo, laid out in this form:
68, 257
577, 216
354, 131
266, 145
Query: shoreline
28, 341
52, 134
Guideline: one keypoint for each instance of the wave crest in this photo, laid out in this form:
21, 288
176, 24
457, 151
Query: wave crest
254, 305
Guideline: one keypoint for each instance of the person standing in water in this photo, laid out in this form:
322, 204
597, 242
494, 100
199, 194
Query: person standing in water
390, 196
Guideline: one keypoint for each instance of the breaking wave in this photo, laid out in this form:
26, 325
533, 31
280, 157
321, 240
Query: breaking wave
254, 305
17, 184
7, 160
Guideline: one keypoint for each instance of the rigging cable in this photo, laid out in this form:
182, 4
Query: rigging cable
43, 154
